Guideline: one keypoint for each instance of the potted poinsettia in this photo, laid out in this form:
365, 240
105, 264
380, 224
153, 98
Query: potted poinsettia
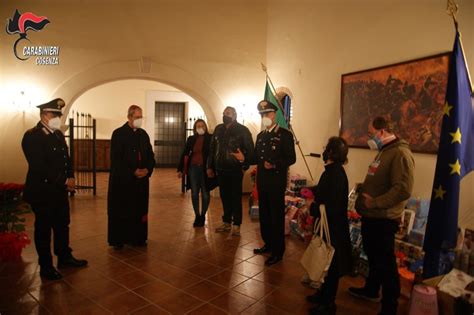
12, 228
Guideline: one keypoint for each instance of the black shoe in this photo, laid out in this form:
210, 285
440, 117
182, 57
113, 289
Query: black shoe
364, 293
202, 220
272, 260
261, 250
50, 273
315, 298
71, 262
323, 309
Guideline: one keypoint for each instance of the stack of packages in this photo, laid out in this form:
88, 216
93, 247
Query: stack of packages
361, 265
409, 238
298, 201
464, 252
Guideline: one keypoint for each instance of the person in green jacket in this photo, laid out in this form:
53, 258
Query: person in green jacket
382, 199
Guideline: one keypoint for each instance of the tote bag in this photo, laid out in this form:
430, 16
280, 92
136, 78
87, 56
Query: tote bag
317, 257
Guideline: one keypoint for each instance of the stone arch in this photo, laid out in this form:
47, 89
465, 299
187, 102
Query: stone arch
74, 87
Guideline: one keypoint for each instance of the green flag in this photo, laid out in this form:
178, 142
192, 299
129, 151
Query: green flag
280, 118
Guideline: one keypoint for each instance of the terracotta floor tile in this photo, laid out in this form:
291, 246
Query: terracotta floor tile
102, 288
205, 290
151, 310
223, 261
247, 269
258, 260
155, 290
274, 277
254, 289
122, 303
116, 268
24, 304
288, 300
207, 309
178, 303
204, 269
182, 279
134, 279
195, 264
264, 309
228, 278
83, 277
233, 302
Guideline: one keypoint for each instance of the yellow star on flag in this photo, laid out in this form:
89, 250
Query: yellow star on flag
446, 109
455, 168
439, 192
456, 136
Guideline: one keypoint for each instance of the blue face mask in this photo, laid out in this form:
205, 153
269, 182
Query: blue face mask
375, 143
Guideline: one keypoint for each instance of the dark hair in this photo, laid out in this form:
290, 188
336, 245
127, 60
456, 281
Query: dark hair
195, 123
380, 123
337, 149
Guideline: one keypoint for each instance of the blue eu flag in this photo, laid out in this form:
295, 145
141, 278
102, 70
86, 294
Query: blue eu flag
455, 160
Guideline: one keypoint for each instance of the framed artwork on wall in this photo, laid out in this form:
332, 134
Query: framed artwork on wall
410, 94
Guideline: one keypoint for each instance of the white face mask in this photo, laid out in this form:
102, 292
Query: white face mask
200, 131
137, 123
267, 122
54, 123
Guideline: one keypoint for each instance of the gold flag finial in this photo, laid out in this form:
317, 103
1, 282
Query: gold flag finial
264, 68
452, 9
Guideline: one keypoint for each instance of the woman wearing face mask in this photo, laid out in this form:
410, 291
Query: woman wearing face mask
332, 192
193, 160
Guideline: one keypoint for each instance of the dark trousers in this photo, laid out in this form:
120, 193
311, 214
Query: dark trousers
230, 187
198, 184
331, 283
378, 239
271, 210
49, 218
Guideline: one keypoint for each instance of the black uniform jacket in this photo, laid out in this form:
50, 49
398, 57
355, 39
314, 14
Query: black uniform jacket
277, 147
49, 166
188, 151
332, 191
227, 140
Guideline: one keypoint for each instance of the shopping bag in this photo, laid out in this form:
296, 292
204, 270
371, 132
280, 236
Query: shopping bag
318, 255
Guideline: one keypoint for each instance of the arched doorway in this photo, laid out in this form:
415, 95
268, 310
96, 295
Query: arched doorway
165, 108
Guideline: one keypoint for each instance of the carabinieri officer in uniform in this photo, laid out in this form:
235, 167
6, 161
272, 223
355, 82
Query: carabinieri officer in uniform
50, 177
274, 153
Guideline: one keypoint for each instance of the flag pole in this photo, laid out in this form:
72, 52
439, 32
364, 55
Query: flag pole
264, 68
452, 9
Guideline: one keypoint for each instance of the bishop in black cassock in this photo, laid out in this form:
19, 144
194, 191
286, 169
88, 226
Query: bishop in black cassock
132, 163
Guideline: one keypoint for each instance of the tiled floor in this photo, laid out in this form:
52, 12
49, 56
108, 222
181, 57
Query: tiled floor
182, 270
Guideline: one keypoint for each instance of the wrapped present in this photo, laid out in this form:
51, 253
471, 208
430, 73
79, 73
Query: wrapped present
290, 214
295, 229
355, 234
416, 237
297, 182
253, 212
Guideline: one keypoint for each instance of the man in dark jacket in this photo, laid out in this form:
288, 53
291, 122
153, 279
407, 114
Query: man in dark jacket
50, 177
274, 153
229, 138
132, 162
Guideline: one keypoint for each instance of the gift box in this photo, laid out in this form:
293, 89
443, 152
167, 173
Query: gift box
416, 237
253, 213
